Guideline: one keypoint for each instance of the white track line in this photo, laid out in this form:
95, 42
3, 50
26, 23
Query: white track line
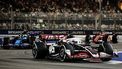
113, 62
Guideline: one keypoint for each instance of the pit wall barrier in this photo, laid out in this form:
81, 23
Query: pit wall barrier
78, 33
74, 32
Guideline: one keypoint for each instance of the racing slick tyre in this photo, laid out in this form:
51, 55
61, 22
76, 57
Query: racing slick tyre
6, 43
107, 48
106, 59
39, 50
62, 54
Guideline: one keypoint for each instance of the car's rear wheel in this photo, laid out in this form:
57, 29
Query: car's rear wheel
62, 54
6, 43
107, 48
35, 53
6, 47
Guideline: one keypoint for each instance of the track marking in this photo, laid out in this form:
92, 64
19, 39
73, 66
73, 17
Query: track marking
116, 60
113, 62
119, 51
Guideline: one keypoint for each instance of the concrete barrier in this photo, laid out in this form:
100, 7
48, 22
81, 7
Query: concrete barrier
79, 36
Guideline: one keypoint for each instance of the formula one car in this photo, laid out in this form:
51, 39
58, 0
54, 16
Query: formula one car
21, 41
72, 48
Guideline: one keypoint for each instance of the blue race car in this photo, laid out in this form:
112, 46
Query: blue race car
23, 41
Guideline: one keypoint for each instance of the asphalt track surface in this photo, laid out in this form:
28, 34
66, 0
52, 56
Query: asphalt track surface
23, 59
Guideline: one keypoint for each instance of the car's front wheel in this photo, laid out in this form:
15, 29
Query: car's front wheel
39, 52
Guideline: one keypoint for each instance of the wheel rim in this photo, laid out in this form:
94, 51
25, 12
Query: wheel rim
34, 51
62, 54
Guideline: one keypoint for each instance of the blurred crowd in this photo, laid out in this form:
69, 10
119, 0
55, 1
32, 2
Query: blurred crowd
15, 10
58, 26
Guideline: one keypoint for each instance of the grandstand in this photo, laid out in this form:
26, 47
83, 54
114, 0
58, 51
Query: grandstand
60, 14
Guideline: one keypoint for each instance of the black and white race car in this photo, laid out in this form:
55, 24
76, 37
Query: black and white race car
72, 48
